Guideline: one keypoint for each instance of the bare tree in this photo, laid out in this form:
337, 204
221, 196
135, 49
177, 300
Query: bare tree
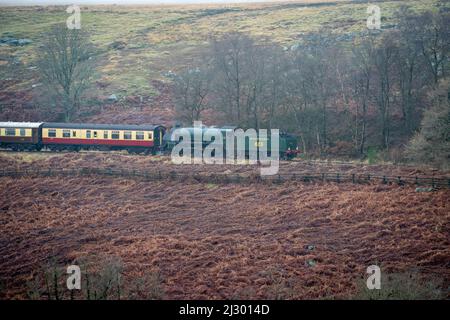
261, 85
333, 100
408, 64
299, 98
191, 89
230, 63
276, 79
320, 82
65, 66
434, 40
384, 63
364, 56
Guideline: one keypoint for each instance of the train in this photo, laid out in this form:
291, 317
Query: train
288, 148
136, 139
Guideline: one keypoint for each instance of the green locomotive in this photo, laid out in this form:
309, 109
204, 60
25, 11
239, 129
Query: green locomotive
287, 143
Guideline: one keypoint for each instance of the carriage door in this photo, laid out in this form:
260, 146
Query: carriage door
156, 137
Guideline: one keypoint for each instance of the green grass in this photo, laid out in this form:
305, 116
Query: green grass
162, 38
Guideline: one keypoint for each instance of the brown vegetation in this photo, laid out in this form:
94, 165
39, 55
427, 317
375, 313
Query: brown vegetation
151, 164
231, 241
157, 109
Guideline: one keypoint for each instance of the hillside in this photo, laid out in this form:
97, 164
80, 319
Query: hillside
139, 47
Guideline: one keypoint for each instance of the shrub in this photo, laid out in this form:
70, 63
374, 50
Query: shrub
402, 286
432, 143
101, 279
372, 155
147, 287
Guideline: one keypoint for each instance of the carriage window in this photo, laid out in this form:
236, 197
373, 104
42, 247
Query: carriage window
10, 131
74, 133
105, 134
150, 135
127, 135
115, 135
66, 133
95, 134
139, 135
52, 133
22, 132
88, 134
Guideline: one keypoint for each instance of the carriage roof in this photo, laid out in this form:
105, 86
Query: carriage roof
97, 126
12, 124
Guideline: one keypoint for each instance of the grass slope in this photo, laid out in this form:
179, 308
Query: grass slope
157, 39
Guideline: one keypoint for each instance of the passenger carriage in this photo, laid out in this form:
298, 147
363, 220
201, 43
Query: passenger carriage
20, 135
73, 136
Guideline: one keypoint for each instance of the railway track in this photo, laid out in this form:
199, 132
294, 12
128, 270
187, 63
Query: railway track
304, 176
50, 152
335, 177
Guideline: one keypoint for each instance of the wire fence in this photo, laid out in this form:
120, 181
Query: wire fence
336, 177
